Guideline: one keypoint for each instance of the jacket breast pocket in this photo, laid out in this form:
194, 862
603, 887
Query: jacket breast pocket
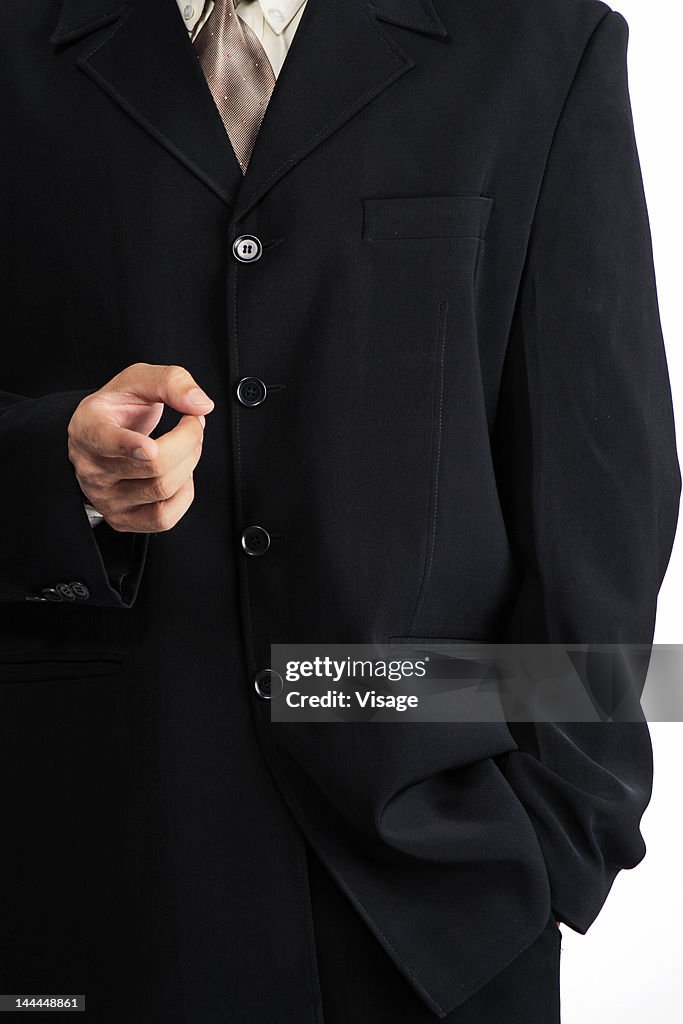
390, 218
52, 666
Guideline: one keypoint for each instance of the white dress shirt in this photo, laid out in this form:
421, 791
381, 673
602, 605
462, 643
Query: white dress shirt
273, 21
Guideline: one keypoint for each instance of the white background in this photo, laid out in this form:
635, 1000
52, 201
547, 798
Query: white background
628, 968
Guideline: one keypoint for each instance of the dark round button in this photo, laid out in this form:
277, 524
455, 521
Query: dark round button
268, 683
255, 541
65, 591
35, 597
51, 594
251, 391
79, 590
247, 248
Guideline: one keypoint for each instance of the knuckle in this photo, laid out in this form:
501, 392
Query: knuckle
79, 419
155, 468
73, 453
128, 376
136, 369
161, 517
87, 476
87, 436
83, 406
161, 489
118, 518
87, 421
174, 375
100, 480
72, 428
88, 485
102, 501
94, 444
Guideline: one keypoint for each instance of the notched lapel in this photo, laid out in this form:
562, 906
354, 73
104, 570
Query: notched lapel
144, 59
77, 19
340, 59
419, 15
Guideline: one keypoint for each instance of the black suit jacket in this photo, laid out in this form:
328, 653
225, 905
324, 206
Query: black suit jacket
468, 434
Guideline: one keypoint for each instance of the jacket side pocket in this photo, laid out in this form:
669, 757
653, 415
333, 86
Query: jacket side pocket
54, 666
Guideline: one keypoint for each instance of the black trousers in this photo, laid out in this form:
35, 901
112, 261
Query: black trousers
361, 985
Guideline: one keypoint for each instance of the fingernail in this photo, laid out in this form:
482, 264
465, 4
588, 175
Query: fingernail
202, 420
197, 397
140, 453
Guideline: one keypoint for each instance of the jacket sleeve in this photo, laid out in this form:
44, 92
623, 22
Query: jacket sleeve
45, 536
589, 478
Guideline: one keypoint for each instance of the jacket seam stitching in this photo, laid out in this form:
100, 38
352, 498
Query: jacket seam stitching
443, 318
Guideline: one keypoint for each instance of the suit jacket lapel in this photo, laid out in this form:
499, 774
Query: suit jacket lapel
143, 58
340, 59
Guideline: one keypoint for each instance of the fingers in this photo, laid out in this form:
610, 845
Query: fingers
138, 483
172, 385
115, 422
121, 489
157, 517
119, 453
173, 448
148, 490
103, 438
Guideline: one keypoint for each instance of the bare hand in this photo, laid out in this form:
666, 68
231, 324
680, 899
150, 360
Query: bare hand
138, 483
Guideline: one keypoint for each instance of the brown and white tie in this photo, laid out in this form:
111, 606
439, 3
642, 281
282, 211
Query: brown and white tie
239, 75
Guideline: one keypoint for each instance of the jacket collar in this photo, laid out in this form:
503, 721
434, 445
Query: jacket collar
78, 17
286, 10
140, 54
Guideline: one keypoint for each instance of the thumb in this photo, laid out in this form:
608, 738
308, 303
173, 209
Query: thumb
172, 385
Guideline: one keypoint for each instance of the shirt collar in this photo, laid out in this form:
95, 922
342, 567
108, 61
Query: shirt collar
278, 13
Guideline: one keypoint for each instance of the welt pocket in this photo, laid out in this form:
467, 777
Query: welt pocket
438, 648
394, 217
438, 645
49, 666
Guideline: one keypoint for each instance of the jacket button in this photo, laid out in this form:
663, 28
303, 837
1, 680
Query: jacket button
268, 683
51, 594
65, 592
255, 541
79, 590
251, 391
247, 248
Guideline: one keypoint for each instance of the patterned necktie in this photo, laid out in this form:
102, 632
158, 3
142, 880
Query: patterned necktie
239, 75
